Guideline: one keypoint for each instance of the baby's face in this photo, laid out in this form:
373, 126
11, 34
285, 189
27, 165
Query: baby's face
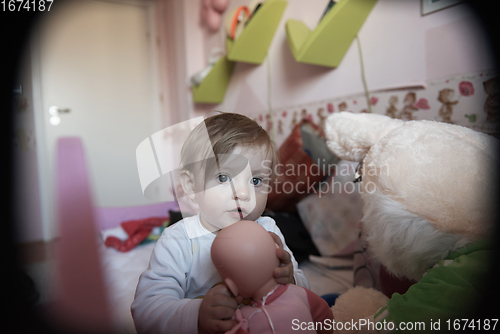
235, 191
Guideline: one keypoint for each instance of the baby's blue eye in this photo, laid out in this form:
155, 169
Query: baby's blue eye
256, 181
223, 178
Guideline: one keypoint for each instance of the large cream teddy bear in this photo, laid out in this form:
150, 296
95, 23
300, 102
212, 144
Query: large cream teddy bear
429, 196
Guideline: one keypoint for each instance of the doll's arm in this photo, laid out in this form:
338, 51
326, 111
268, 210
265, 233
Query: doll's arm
320, 311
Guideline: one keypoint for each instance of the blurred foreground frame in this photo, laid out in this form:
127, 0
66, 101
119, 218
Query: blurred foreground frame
15, 28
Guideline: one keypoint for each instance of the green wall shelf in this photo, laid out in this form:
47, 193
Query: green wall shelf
252, 44
330, 40
213, 87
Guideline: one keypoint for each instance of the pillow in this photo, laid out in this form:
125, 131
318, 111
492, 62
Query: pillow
333, 215
303, 161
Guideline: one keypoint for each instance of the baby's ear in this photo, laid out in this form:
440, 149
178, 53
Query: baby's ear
231, 286
187, 182
350, 136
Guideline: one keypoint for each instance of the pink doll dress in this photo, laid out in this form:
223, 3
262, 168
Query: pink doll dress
287, 306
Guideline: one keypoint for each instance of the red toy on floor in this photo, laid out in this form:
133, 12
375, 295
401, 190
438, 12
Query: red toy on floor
137, 230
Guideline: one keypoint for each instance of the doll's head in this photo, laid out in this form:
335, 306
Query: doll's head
244, 254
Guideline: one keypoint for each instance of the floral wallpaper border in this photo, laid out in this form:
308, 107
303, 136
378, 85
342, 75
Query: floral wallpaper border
471, 100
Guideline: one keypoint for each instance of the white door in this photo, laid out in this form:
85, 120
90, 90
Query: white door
96, 59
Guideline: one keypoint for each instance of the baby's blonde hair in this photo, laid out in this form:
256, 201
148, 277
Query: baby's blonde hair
226, 131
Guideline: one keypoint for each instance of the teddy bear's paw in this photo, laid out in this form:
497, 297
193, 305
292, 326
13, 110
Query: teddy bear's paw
356, 304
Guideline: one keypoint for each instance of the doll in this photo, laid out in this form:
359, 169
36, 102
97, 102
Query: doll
244, 254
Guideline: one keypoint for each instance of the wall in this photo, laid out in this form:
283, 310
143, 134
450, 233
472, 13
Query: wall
403, 52
27, 211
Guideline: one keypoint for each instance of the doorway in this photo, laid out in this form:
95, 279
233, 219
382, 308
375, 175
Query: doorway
94, 70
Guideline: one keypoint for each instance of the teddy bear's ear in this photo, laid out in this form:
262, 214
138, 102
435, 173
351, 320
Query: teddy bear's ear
350, 136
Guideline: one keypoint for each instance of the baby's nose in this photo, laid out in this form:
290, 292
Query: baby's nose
241, 192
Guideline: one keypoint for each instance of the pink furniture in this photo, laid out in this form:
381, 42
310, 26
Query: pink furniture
82, 302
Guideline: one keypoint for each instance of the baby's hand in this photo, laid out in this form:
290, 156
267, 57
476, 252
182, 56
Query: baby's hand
284, 273
216, 310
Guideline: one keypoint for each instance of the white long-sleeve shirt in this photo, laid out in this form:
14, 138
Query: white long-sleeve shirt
180, 270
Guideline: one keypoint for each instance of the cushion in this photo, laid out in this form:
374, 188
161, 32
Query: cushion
333, 215
304, 161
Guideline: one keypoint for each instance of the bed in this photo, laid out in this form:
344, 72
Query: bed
96, 284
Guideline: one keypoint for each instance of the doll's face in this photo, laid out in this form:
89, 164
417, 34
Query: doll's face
235, 191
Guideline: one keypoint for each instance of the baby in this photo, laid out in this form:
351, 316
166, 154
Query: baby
229, 178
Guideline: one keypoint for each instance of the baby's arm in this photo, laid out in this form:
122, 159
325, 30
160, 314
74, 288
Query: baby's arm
216, 311
160, 304
297, 274
284, 273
